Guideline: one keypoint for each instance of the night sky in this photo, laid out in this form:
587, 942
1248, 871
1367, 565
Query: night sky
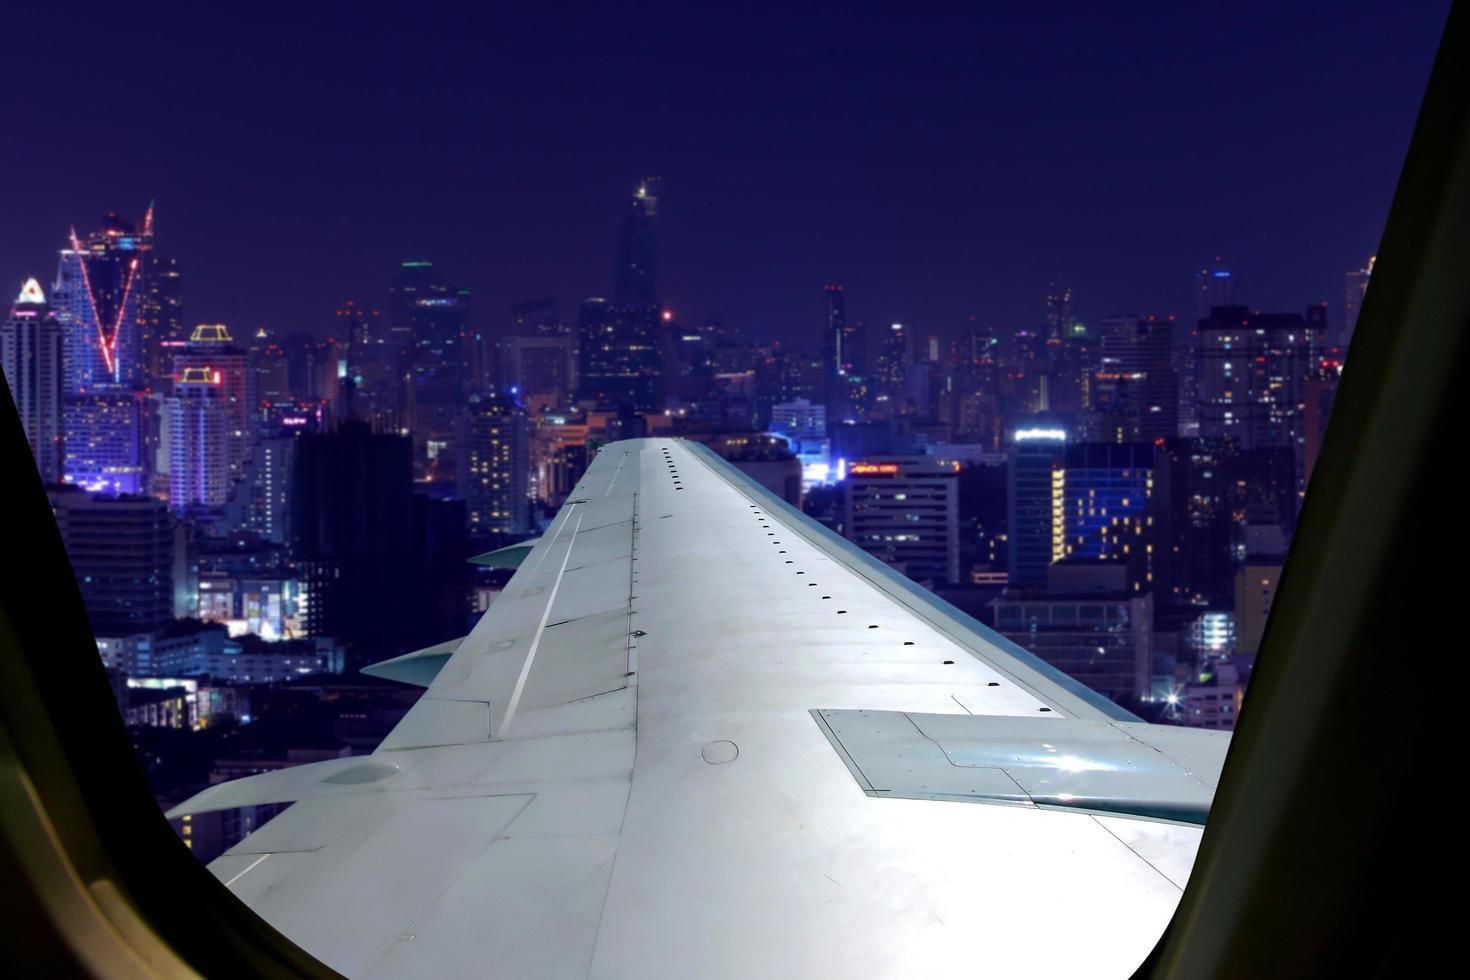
937, 166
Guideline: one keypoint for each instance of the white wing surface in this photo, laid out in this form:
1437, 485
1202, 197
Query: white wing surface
698, 735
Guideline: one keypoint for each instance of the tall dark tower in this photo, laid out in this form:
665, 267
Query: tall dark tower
621, 356
1058, 311
844, 361
161, 311
634, 279
834, 342
353, 536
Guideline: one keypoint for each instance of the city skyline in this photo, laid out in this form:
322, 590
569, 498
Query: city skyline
1115, 493
1129, 214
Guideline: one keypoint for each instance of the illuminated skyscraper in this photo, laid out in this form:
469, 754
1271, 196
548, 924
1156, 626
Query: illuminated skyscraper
904, 511
101, 299
162, 315
272, 369
1137, 387
260, 500
432, 318
199, 442
118, 301
106, 446
1109, 506
210, 348
619, 363
30, 352
894, 360
494, 465
1253, 369
110, 339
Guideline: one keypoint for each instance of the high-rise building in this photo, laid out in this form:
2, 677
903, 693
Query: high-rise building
1136, 387
162, 315
1059, 313
783, 376
352, 535
1214, 285
494, 465
1085, 621
1109, 506
620, 344
1206, 490
369, 384
634, 281
259, 500
1356, 287
359, 325
414, 280
981, 346
106, 440
904, 511
30, 353
433, 317
200, 441
1069, 375
100, 297
212, 350
1185, 361
110, 325
539, 369
845, 362
1253, 368
618, 357
971, 403
800, 419
536, 318
121, 549
894, 359
1035, 503
835, 355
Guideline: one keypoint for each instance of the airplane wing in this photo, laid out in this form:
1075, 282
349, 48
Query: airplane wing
700, 735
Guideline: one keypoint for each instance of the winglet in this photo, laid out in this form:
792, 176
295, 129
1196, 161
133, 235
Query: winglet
510, 556
288, 785
419, 667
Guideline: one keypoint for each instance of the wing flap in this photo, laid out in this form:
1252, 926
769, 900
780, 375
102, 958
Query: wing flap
1073, 763
418, 668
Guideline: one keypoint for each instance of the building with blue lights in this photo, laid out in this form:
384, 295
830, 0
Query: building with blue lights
1108, 506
